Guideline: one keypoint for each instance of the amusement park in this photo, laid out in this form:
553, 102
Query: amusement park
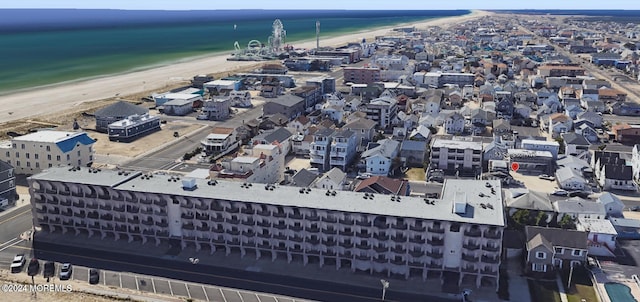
257, 51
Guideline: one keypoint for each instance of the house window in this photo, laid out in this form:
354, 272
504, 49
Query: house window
541, 255
48, 148
559, 250
17, 154
576, 253
36, 156
22, 146
58, 157
37, 165
48, 156
27, 155
539, 267
68, 157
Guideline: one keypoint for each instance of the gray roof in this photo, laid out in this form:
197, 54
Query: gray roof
4, 166
579, 206
558, 237
408, 145
334, 174
525, 199
361, 123
566, 173
121, 109
607, 198
572, 138
539, 240
344, 201
385, 148
278, 134
287, 100
304, 178
343, 133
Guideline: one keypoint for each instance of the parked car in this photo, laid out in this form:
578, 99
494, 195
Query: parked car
34, 267
94, 276
581, 194
547, 177
560, 192
635, 208
65, 271
364, 176
18, 263
49, 269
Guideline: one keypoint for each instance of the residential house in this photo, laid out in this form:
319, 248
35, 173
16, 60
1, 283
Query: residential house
220, 140
421, 133
311, 95
573, 110
116, 112
289, 105
454, 123
522, 110
609, 95
635, 162
532, 161
300, 124
479, 120
576, 207
278, 136
381, 110
626, 134
216, 109
501, 126
587, 132
364, 130
559, 123
343, 148
301, 144
240, 99
271, 87
320, 148
593, 105
133, 127
178, 107
413, 152
383, 185
505, 108
524, 199
333, 179
463, 157
574, 144
541, 145
549, 249
593, 118
303, 178
612, 204
379, 157
578, 165
264, 164
601, 236
273, 121
569, 179
612, 172
37, 151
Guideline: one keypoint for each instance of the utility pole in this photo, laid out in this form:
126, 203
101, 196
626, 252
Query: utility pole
317, 35
385, 285
570, 275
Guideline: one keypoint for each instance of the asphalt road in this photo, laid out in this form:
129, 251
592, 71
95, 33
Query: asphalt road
14, 223
167, 158
252, 281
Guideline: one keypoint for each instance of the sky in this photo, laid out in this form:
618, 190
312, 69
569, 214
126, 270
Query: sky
324, 4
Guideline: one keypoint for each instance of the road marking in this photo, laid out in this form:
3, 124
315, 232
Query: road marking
28, 209
222, 293
9, 242
153, 285
170, 289
205, 293
120, 277
104, 278
239, 295
188, 292
136, 279
258, 297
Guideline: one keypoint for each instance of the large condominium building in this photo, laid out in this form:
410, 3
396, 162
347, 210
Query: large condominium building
457, 156
361, 75
387, 234
31, 153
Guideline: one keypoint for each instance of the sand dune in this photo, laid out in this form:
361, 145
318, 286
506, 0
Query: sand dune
58, 98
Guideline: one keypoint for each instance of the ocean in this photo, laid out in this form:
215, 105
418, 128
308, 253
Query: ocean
42, 47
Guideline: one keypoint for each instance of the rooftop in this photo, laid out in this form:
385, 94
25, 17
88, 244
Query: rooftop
346, 201
601, 226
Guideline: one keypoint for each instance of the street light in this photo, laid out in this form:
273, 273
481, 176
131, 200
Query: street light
466, 293
385, 285
194, 260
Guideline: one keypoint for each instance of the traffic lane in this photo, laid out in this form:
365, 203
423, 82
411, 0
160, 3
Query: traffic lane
226, 277
15, 223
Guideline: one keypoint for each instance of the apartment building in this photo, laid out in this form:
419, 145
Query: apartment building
539, 145
220, 140
264, 165
361, 75
384, 234
462, 156
7, 183
343, 149
320, 148
381, 110
31, 153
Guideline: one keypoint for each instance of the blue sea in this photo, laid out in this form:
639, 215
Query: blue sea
47, 46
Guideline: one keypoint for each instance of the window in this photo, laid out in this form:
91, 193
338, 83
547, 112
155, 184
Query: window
576, 253
78, 152
17, 154
559, 250
28, 164
48, 148
22, 146
58, 157
68, 157
36, 156
48, 156
27, 155
8, 154
18, 163
50, 165
37, 165
541, 255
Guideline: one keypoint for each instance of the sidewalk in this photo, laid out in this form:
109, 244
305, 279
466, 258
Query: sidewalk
328, 273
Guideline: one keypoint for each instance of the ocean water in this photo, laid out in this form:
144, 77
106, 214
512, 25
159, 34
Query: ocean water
41, 47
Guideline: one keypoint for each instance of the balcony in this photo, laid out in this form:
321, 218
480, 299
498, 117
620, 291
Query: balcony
329, 230
264, 223
434, 255
438, 230
51, 201
93, 215
162, 224
65, 202
119, 219
134, 220
133, 210
148, 232
381, 248
363, 246
161, 203
67, 213
105, 207
80, 214
312, 217
416, 239
486, 271
202, 206
313, 229
188, 226
280, 237
399, 249
472, 233
78, 204
470, 257
147, 211
490, 248
92, 205
330, 219
187, 205
363, 223
380, 225
329, 242
204, 217
416, 253
121, 228
106, 217
492, 234
248, 222
346, 233
163, 234
487, 259
81, 224
400, 226
162, 212
296, 228
347, 221
469, 269
296, 239
399, 238
435, 242
381, 236
280, 226
132, 229
471, 246
148, 222
279, 214
418, 228
119, 209
363, 234
187, 216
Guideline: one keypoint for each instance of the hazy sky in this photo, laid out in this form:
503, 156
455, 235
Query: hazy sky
324, 4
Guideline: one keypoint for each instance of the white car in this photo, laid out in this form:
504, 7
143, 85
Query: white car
560, 192
547, 177
18, 263
65, 271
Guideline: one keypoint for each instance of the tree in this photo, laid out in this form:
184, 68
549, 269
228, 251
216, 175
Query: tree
521, 217
541, 219
561, 142
567, 222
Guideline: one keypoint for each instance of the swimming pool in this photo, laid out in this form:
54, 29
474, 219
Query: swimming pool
619, 292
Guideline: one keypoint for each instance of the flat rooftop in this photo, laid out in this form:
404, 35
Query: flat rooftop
482, 206
456, 144
47, 136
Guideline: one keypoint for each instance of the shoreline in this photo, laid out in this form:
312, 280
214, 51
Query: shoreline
35, 101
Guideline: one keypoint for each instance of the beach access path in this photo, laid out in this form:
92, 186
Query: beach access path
65, 96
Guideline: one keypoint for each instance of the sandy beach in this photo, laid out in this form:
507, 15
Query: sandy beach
62, 97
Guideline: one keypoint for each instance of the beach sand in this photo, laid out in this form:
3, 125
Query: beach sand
66, 96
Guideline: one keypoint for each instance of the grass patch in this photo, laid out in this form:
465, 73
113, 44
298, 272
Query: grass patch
544, 291
414, 174
581, 286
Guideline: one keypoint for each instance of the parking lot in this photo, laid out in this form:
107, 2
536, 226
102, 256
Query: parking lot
163, 286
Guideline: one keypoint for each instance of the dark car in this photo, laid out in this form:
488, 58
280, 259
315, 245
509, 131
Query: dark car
49, 269
34, 267
65, 271
94, 276
580, 194
635, 208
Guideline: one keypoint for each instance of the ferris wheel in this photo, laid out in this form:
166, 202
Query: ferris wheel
278, 35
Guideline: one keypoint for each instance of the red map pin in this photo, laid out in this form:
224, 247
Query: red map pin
515, 166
